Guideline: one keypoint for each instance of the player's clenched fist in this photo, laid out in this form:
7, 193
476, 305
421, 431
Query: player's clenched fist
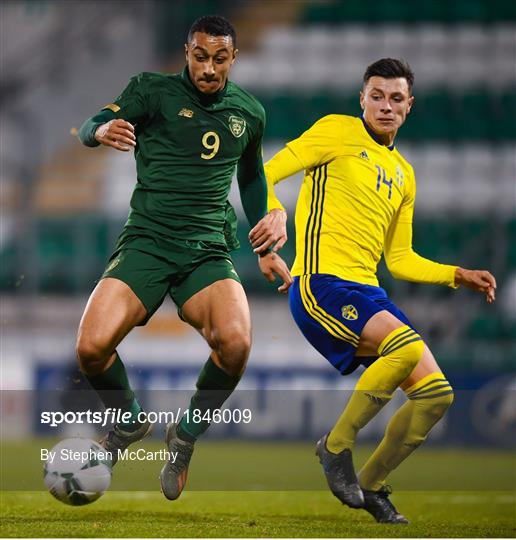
116, 133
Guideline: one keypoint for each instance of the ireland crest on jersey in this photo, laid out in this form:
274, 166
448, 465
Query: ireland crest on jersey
237, 126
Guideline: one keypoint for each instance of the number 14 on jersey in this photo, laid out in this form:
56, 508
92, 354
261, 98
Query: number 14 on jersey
382, 179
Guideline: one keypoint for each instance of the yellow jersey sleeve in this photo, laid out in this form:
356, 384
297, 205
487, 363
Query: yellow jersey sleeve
281, 166
319, 144
406, 211
402, 261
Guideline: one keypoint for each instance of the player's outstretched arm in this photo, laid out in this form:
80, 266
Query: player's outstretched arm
404, 263
272, 265
114, 124
477, 280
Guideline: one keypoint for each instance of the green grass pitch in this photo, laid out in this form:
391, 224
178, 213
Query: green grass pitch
265, 490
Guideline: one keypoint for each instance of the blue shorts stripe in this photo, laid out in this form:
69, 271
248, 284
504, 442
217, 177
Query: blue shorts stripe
332, 325
351, 335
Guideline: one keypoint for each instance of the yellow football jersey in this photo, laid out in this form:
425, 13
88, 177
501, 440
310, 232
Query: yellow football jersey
356, 201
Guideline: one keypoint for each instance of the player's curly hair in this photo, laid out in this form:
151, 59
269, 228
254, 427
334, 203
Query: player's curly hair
390, 68
213, 25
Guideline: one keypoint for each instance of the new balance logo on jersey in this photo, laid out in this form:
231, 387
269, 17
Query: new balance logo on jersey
349, 313
363, 155
187, 113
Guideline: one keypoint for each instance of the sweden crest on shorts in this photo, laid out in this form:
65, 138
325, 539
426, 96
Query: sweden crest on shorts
349, 313
237, 126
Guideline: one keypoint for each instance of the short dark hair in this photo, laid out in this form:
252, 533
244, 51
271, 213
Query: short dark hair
390, 68
213, 25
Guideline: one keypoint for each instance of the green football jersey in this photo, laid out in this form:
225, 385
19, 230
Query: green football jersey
188, 145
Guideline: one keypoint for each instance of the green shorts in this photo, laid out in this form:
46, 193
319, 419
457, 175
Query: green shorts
154, 268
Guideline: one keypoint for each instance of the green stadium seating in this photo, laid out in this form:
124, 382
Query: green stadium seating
72, 252
489, 327
406, 11
511, 245
475, 115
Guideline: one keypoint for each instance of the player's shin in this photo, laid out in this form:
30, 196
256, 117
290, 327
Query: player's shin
429, 399
115, 392
399, 354
214, 386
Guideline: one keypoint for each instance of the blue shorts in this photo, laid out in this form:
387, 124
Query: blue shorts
331, 313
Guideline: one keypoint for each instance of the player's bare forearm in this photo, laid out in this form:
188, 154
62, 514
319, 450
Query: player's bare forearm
118, 134
271, 264
269, 232
477, 280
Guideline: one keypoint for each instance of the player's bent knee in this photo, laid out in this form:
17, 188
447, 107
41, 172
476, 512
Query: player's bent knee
438, 405
92, 358
235, 345
403, 347
432, 396
232, 347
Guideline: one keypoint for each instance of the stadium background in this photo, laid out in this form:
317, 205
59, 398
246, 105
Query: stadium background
63, 205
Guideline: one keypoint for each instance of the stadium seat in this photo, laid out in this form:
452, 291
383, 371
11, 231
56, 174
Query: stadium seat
403, 10
491, 327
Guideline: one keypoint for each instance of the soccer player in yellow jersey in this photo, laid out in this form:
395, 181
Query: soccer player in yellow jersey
357, 202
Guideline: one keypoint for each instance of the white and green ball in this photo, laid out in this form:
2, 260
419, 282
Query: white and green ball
79, 473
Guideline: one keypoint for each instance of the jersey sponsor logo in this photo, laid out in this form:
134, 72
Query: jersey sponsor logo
112, 107
349, 313
363, 155
187, 113
237, 126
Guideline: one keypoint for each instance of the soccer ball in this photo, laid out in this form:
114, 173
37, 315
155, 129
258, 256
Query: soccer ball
77, 471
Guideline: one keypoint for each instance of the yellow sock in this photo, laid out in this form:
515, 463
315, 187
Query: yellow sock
428, 400
399, 354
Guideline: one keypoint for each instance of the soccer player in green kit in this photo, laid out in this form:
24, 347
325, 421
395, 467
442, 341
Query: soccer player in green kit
189, 131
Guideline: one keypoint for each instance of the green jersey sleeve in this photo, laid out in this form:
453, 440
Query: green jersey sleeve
251, 177
134, 104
